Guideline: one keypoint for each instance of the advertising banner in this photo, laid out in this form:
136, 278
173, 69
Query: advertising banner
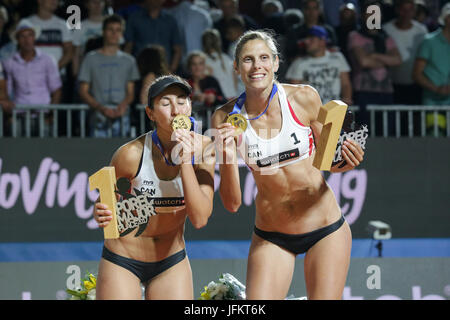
45, 197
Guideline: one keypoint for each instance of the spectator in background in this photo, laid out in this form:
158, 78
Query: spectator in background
234, 29
408, 35
326, 71
332, 10
312, 11
206, 90
4, 36
32, 77
107, 80
152, 64
372, 55
292, 19
230, 9
154, 25
7, 47
192, 22
129, 7
90, 28
16, 10
347, 23
55, 38
387, 9
423, 16
272, 11
219, 63
6, 104
432, 69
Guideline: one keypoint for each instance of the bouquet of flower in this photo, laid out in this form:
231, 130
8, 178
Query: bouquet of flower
86, 289
227, 288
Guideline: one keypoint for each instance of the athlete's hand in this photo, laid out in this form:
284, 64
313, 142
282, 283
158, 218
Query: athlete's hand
187, 140
225, 143
353, 155
102, 214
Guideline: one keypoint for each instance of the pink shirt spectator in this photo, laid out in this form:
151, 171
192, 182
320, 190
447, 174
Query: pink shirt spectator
32, 82
369, 80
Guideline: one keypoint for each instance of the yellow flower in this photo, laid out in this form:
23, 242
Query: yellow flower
91, 283
205, 295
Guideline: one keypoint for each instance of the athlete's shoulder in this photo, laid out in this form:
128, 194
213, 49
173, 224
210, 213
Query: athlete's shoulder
127, 157
305, 97
302, 94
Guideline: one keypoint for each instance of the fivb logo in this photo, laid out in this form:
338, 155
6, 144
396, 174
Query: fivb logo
373, 21
74, 20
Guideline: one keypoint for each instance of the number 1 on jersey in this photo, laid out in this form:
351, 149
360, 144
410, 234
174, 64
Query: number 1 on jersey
295, 138
332, 117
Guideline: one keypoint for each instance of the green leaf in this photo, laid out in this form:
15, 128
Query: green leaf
74, 293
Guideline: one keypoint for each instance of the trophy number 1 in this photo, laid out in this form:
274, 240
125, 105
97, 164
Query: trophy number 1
332, 117
104, 180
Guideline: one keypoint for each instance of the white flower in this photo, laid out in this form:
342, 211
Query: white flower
213, 290
211, 286
91, 295
228, 287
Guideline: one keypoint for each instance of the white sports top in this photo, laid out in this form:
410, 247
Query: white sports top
293, 143
168, 195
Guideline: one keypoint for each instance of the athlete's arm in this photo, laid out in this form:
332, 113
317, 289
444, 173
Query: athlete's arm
125, 162
198, 178
229, 187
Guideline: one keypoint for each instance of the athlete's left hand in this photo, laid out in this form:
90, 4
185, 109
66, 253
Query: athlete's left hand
353, 155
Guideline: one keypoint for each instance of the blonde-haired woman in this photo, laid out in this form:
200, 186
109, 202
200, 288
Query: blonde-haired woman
296, 211
219, 63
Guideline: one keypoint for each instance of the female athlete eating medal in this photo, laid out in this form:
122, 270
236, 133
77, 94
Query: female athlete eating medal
180, 189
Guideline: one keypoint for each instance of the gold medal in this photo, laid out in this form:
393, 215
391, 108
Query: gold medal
238, 121
181, 121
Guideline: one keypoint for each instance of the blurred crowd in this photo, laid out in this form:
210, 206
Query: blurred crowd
107, 53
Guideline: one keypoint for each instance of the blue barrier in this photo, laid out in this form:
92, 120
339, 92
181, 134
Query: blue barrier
85, 251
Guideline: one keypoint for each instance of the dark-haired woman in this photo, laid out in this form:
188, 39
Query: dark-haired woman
182, 185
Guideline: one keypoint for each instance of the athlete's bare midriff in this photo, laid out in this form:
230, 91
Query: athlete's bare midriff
294, 199
162, 238
163, 235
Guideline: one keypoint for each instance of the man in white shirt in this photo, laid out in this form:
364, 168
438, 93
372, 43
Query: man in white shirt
408, 34
90, 28
55, 38
328, 72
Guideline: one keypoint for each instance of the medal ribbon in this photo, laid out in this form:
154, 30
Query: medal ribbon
241, 100
158, 143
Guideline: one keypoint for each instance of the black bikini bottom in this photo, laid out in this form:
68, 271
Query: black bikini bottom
145, 271
299, 243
